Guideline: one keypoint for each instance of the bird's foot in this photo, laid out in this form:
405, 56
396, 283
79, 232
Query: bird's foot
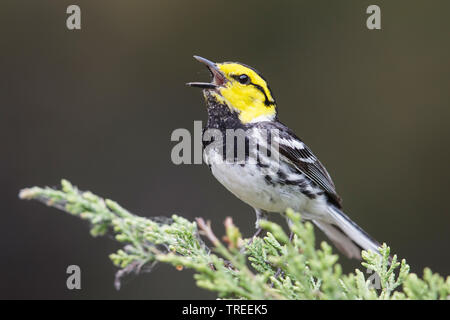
254, 236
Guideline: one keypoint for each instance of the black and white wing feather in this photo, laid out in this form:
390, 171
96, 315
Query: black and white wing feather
343, 232
301, 157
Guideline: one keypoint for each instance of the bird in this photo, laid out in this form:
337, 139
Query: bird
285, 174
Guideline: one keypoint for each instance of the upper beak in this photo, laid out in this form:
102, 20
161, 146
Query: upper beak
218, 77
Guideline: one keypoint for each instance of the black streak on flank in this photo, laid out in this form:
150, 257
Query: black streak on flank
309, 194
268, 180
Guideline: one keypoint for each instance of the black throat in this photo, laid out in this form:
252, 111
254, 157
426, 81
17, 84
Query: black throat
220, 116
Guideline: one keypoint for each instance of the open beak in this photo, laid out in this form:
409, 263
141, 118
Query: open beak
218, 77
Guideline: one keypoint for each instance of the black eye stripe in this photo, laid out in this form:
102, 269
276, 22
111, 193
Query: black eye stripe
241, 77
267, 102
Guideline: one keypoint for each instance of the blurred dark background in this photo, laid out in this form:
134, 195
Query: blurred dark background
97, 106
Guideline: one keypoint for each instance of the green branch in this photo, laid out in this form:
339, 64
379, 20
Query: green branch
271, 267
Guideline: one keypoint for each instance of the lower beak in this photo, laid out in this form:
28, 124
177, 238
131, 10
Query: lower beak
218, 77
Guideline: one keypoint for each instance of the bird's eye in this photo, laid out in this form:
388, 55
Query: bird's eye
244, 79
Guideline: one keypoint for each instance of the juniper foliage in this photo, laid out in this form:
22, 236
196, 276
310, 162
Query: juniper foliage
271, 267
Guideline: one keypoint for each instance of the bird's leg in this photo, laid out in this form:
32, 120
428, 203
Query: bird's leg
291, 236
258, 231
260, 215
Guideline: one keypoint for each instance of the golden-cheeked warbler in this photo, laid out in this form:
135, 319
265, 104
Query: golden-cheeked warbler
239, 98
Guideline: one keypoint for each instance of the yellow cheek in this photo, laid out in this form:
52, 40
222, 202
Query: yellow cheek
240, 98
248, 102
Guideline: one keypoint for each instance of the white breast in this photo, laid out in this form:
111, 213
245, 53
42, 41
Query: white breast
248, 184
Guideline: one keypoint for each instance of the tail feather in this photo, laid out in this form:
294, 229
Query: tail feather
340, 240
347, 235
352, 230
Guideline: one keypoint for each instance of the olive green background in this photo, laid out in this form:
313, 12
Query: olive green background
97, 106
